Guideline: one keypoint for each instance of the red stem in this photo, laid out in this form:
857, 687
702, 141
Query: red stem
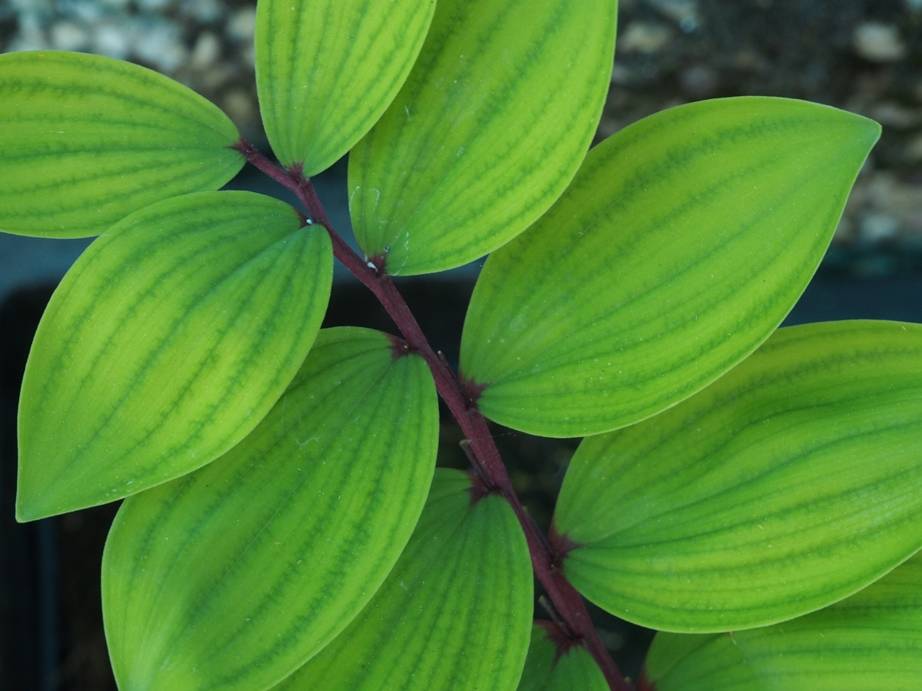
546, 563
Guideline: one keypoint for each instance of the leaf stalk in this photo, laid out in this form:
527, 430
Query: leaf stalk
483, 451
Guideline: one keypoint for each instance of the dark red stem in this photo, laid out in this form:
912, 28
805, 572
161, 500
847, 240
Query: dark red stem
483, 451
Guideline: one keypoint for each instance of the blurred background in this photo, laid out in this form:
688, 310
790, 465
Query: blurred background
862, 55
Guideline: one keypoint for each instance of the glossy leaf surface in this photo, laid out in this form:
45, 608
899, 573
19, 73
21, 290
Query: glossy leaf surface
681, 245
791, 483
549, 669
233, 576
872, 640
87, 140
166, 343
327, 69
455, 613
489, 129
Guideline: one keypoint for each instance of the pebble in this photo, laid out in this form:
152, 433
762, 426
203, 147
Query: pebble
69, 36
239, 105
879, 42
87, 11
914, 148
892, 114
208, 43
242, 24
682, 12
878, 227
160, 44
154, 5
112, 39
204, 11
206, 51
644, 37
699, 81
28, 39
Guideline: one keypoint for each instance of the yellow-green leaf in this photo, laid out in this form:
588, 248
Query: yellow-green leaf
489, 129
559, 665
455, 613
791, 483
872, 640
165, 344
233, 576
327, 69
86, 140
683, 242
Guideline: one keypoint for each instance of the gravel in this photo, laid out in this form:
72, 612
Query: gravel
862, 55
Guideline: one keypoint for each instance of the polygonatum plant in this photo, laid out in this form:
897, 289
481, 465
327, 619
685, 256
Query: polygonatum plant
752, 493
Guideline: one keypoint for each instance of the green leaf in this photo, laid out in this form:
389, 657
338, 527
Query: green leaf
872, 640
489, 129
327, 69
165, 345
86, 140
552, 668
230, 578
455, 613
791, 483
683, 242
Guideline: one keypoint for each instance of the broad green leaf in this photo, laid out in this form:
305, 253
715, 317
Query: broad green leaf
550, 668
455, 613
230, 578
327, 69
791, 483
488, 131
86, 140
872, 640
165, 344
683, 242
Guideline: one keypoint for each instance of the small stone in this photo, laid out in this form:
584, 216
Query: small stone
159, 44
204, 11
32, 6
249, 54
682, 12
87, 11
621, 74
644, 37
31, 22
31, 39
878, 227
879, 42
699, 81
914, 150
893, 114
69, 36
238, 104
154, 5
111, 39
212, 79
206, 51
242, 24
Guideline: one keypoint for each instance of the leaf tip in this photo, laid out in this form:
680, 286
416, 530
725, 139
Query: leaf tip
27, 511
863, 131
34, 502
869, 129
